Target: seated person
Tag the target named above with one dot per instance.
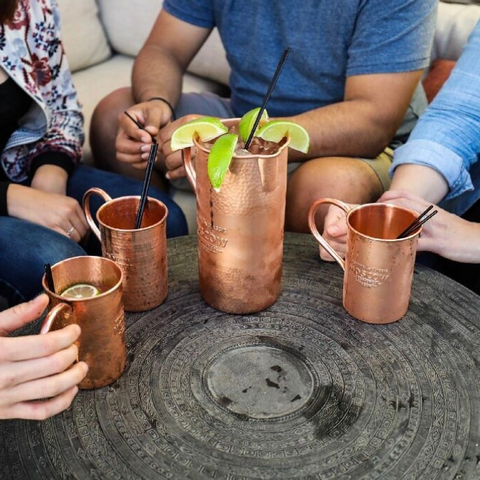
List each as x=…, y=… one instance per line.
x=439, y=163
x=349, y=81
x=36, y=367
x=41, y=183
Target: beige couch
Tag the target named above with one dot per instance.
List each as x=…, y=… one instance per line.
x=102, y=37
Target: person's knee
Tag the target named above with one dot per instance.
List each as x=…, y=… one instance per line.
x=104, y=125
x=110, y=107
x=346, y=179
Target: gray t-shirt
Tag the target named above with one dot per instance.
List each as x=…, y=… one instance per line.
x=330, y=40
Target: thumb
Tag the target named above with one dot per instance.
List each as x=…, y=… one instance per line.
x=21, y=314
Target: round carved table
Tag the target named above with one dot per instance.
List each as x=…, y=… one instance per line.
x=300, y=390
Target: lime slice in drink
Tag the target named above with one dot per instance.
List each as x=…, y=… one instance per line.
x=220, y=157
x=81, y=290
x=275, y=130
x=206, y=128
x=248, y=120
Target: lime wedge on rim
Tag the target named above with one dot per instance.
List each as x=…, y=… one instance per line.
x=206, y=128
x=81, y=290
x=248, y=120
x=275, y=130
x=219, y=158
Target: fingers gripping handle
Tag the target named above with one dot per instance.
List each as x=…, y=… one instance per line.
x=52, y=316
x=86, y=208
x=313, y=226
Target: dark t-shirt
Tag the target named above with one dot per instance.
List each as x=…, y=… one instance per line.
x=330, y=40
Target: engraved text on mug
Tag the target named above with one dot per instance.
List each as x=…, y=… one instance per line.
x=212, y=237
x=368, y=276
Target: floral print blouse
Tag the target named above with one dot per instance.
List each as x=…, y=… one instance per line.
x=32, y=55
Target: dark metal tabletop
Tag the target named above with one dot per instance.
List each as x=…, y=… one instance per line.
x=300, y=390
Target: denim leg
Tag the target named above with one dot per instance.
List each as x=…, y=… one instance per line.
x=25, y=247
x=117, y=186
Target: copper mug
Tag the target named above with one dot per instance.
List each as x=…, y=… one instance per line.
x=102, y=340
x=378, y=267
x=240, y=228
x=141, y=253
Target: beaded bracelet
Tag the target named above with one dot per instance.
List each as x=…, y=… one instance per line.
x=164, y=100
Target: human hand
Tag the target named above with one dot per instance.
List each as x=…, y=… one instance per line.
x=57, y=212
x=133, y=143
x=173, y=161
x=50, y=179
x=35, y=367
x=445, y=234
x=335, y=232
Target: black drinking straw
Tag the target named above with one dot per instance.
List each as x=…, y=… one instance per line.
x=49, y=277
x=418, y=222
x=268, y=94
x=146, y=184
x=148, y=173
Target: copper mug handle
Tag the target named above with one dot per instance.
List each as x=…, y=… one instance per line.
x=313, y=227
x=189, y=169
x=86, y=207
x=52, y=316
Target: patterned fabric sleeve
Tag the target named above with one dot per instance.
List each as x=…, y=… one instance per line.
x=32, y=54
x=65, y=129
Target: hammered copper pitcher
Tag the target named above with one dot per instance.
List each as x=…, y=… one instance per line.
x=240, y=229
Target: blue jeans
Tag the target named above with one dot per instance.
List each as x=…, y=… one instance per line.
x=25, y=247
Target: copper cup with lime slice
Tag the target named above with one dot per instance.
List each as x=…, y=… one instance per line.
x=88, y=292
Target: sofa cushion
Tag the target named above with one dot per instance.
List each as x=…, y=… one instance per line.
x=128, y=24
x=82, y=34
x=454, y=24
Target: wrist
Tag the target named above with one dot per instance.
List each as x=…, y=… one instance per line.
x=50, y=178
x=167, y=103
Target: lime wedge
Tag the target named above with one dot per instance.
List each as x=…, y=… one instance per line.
x=248, y=120
x=220, y=157
x=206, y=128
x=275, y=130
x=81, y=290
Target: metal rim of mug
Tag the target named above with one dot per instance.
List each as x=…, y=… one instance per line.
x=100, y=295
x=131, y=230
x=378, y=205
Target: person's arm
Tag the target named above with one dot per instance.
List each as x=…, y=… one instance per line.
x=445, y=234
x=365, y=122
x=445, y=143
x=36, y=367
x=52, y=210
x=389, y=48
x=157, y=72
x=62, y=143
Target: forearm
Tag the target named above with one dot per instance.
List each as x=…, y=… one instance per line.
x=348, y=129
x=423, y=181
x=156, y=73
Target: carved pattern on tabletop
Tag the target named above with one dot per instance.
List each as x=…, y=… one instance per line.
x=312, y=393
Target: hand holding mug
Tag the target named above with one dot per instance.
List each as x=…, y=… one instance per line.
x=35, y=367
